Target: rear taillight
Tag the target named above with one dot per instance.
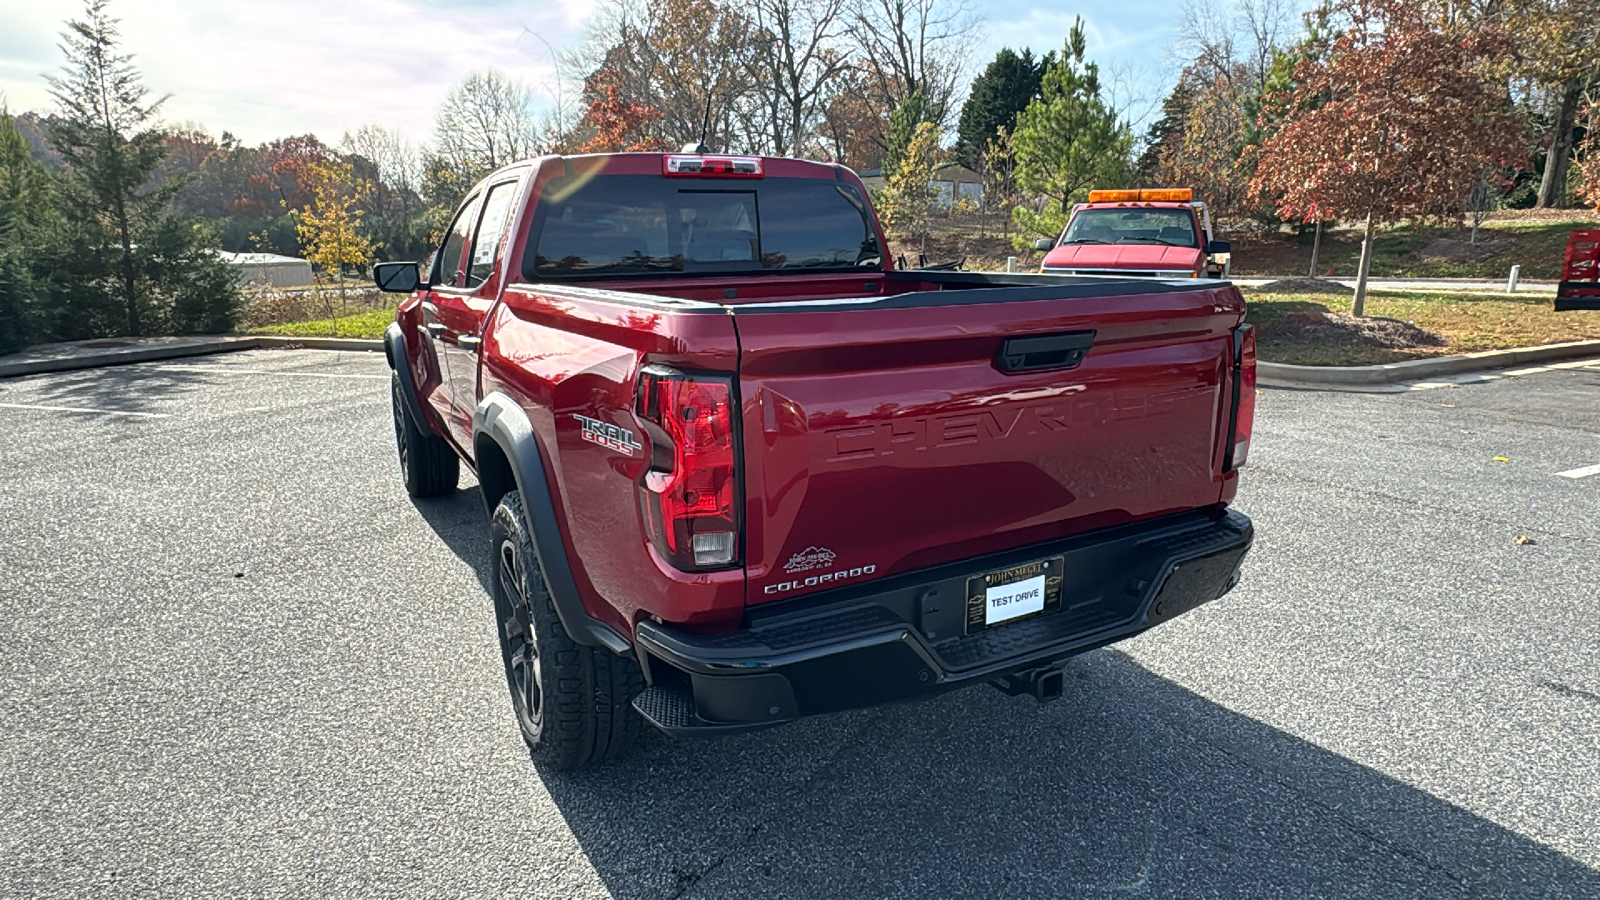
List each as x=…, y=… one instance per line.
x=724, y=166
x=1244, y=396
x=689, y=489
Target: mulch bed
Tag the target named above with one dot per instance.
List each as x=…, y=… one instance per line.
x=1345, y=330
x=1303, y=286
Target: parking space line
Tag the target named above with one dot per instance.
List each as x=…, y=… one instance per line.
x=235, y=370
x=1485, y=377
x=84, y=409
x=1584, y=472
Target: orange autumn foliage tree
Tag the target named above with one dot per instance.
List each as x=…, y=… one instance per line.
x=1395, y=121
x=1589, y=164
x=614, y=123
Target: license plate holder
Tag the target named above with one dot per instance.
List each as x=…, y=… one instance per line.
x=1014, y=594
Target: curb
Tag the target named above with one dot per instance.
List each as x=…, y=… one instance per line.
x=1498, y=283
x=119, y=357
x=273, y=342
x=1273, y=374
x=158, y=352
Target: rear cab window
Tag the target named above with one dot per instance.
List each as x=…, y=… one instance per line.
x=619, y=225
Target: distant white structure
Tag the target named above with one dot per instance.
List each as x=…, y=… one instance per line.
x=271, y=270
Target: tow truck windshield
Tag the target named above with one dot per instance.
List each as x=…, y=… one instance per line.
x=1174, y=227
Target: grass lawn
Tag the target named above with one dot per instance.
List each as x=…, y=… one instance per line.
x=1310, y=329
x=369, y=324
x=1414, y=252
x=1402, y=251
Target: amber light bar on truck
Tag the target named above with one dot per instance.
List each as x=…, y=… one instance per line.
x=689, y=489
x=723, y=166
x=1143, y=195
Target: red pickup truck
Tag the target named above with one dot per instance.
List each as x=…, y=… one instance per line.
x=740, y=470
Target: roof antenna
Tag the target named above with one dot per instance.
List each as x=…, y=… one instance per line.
x=695, y=147
x=705, y=126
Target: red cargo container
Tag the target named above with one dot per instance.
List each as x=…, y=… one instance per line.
x=1580, y=272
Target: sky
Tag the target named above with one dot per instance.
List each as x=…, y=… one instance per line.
x=264, y=70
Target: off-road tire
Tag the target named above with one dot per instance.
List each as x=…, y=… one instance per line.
x=584, y=710
x=428, y=464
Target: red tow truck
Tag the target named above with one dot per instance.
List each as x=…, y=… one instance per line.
x=1149, y=232
x=739, y=469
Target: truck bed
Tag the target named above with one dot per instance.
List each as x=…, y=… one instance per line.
x=883, y=427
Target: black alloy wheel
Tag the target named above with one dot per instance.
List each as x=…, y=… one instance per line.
x=519, y=645
x=573, y=702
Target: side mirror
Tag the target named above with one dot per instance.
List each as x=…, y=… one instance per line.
x=397, y=277
x=1044, y=244
x=1215, y=247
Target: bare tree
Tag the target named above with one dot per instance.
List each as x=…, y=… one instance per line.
x=564, y=112
x=691, y=59
x=796, y=60
x=1215, y=39
x=486, y=122
x=397, y=161
x=851, y=131
x=1267, y=24
x=1205, y=38
x=916, y=45
x=1127, y=87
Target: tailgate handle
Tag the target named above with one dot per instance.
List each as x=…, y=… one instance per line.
x=1050, y=351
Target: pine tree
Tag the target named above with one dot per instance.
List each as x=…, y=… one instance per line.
x=1008, y=84
x=126, y=245
x=25, y=215
x=1167, y=133
x=904, y=120
x=1067, y=141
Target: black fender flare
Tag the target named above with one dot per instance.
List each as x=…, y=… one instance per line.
x=394, y=349
x=498, y=418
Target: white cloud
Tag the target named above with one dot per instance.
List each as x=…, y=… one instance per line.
x=265, y=71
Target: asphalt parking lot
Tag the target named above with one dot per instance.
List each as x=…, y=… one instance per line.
x=238, y=660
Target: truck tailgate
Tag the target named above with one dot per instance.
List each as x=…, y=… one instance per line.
x=888, y=435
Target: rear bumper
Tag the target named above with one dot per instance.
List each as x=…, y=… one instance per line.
x=903, y=637
x=1573, y=295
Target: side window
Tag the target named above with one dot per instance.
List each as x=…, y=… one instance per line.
x=447, y=271
x=491, y=228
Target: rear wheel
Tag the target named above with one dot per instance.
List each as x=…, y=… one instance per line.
x=427, y=462
x=573, y=703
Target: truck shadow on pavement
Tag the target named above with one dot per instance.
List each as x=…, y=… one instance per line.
x=459, y=521
x=1130, y=785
